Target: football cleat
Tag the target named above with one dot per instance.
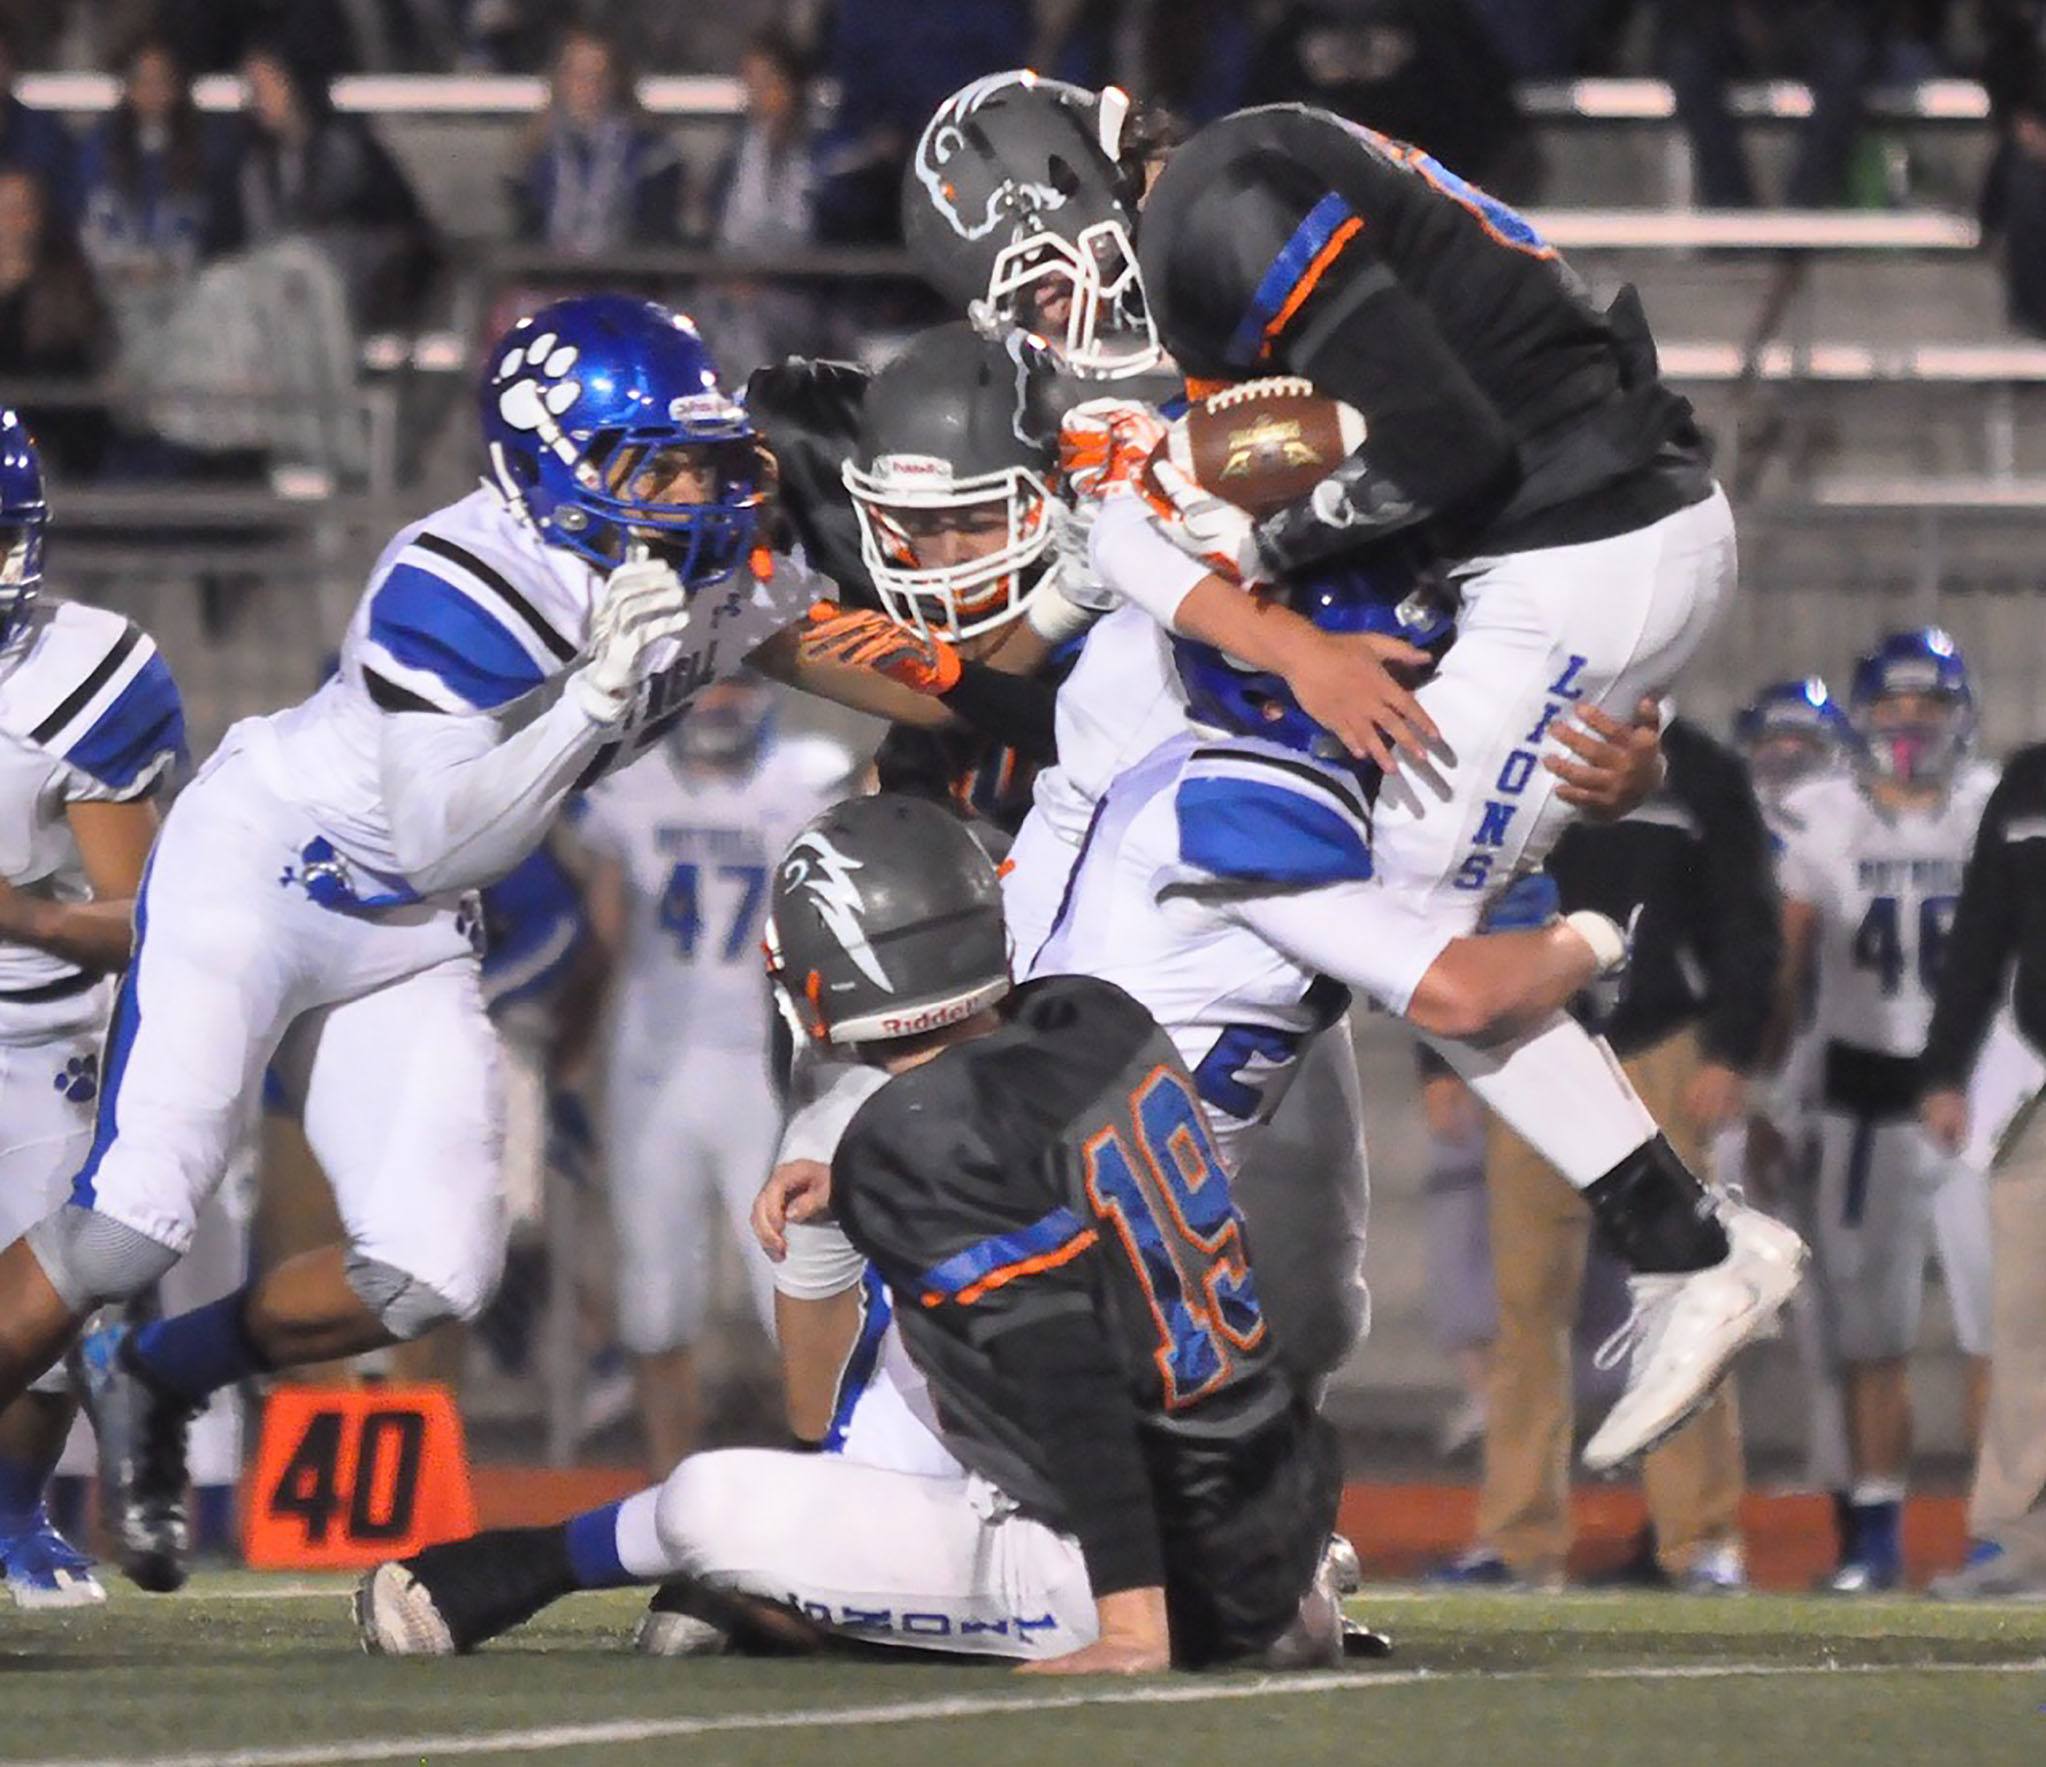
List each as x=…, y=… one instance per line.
x=1990, y=1574
x=1718, y=1570
x=1686, y=1329
x=677, y=1624
x=44, y=1570
x=1339, y=1559
x=141, y=1430
x=395, y=1616
x=448, y=1599
x=1860, y=1576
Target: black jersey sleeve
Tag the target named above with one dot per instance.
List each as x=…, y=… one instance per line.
x=1019, y=711
x=1980, y=945
x=809, y=411
x=1006, y=1272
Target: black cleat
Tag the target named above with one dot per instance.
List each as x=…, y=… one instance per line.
x=144, y=1485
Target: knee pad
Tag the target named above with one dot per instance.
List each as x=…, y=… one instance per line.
x=91, y=1259
x=406, y=1307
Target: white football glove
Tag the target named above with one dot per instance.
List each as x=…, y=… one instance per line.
x=643, y=605
x=1207, y=527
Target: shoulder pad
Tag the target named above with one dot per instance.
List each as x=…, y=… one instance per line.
x=93, y=690
x=451, y=624
x=1262, y=814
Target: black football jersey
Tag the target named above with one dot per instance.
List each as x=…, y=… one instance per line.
x=1060, y=1169
x=1061, y=1163
x=1286, y=240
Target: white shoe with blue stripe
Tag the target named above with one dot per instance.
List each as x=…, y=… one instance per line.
x=44, y=1570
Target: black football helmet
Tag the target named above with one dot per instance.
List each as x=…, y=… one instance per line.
x=886, y=923
x=951, y=480
x=1018, y=210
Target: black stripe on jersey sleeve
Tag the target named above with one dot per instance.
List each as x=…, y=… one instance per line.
x=81, y=695
x=500, y=585
x=390, y=697
x=1329, y=784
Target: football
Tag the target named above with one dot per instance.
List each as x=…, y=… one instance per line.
x=1263, y=444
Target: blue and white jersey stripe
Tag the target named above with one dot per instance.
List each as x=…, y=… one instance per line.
x=1254, y=812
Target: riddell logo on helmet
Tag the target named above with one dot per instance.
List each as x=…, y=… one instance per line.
x=929, y=1018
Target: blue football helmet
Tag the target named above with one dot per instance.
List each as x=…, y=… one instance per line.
x=594, y=411
x=1791, y=730
x=1383, y=595
x=1925, y=665
x=24, y=515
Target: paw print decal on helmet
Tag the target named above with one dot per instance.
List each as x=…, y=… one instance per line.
x=532, y=391
x=78, y=1080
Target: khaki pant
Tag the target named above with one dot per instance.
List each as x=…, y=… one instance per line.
x=1541, y=1231
x=2009, y=1500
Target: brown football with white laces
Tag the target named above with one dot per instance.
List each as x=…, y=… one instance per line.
x=1263, y=444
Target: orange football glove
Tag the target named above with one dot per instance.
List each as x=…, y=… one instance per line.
x=861, y=639
x=1104, y=444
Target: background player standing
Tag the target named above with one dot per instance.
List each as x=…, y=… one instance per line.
x=1871, y=873
x=90, y=728
x=685, y=841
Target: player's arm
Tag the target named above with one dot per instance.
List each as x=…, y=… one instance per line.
x=1340, y=679
x=113, y=846
x=1972, y=968
x=866, y=660
x=1742, y=947
x=1434, y=441
x=983, y=1261
x=1466, y=988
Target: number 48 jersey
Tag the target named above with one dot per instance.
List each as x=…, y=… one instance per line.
x=1884, y=887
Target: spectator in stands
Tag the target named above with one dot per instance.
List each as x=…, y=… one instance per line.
x=2014, y=192
x=53, y=324
x=596, y=174
x=894, y=62
x=1423, y=70
x=1191, y=56
x=766, y=190
x=33, y=141
x=1838, y=46
x=1690, y=873
x=303, y=168
x=154, y=198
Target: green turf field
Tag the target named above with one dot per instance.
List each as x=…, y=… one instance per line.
x=260, y=1673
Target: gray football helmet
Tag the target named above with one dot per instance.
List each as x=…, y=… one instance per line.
x=951, y=480
x=1017, y=209
x=886, y=922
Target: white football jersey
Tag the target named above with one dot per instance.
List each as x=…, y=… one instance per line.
x=1121, y=701
x=466, y=611
x=698, y=845
x=88, y=713
x=1885, y=888
x=1197, y=822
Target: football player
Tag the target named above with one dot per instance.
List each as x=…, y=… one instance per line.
x=308, y=899
x=1871, y=871
x=90, y=727
x=683, y=843
x=1788, y=733
x=1139, y=1486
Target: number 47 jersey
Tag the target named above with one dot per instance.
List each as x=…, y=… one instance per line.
x=1884, y=886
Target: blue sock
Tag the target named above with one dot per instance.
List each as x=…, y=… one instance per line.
x=21, y=1496
x=213, y=1518
x=199, y=1352
x=1879, y=1534
x=593, y=1549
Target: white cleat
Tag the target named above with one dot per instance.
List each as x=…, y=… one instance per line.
x=1339, y=1560
x=676, y=1624
x=395, y=1617
x=1685, y=1330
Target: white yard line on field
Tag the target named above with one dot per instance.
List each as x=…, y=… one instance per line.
x=550, y=1738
